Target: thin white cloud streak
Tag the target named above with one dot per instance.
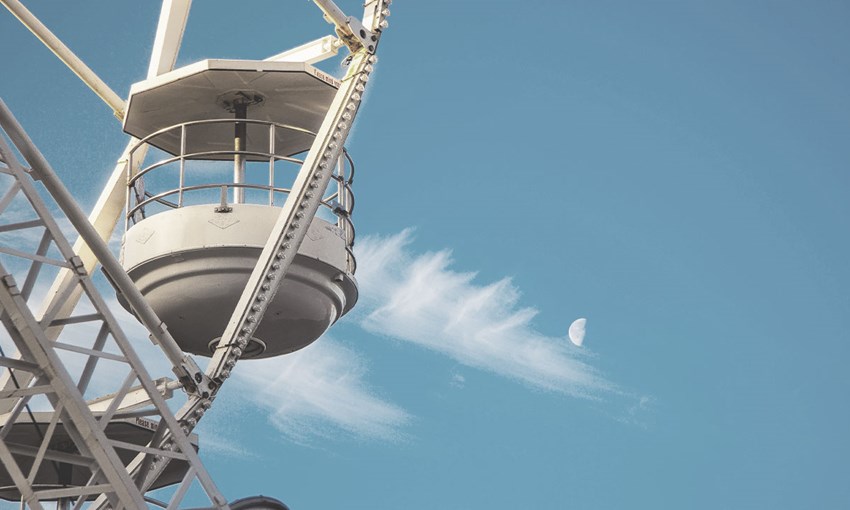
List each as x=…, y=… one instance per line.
x=418, y=298
x=319, y=391
x=316, y=392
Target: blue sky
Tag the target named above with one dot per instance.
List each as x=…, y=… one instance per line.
x=676, y=172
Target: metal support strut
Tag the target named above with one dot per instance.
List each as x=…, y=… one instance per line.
x=291, y=227
x=41, y=361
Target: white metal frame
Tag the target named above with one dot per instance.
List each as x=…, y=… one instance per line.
x=40, y=355
x=40, y=368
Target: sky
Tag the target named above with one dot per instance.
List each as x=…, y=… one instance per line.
x=675, y=172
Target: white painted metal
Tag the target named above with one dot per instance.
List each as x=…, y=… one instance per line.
x=29, y=335
x=192, y=263
x=311, y=52
x=169, y=35
x=277, y=256
x=292, y=92
x=62, y=391
x=107, y=210
x=290, y=229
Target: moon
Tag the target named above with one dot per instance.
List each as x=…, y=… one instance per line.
x=576, y=332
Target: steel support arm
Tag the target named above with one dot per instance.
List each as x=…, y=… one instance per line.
x=311, y=52
x=67, y=56
x=286, y=235
x=108, y=209
x=349, y=29
x=184, y=367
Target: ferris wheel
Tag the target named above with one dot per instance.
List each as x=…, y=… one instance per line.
x=234, y=199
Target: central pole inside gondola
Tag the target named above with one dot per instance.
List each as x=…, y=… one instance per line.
x=239, y=143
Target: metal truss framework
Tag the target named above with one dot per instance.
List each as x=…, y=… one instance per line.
x=41, y=336
x=133, y=394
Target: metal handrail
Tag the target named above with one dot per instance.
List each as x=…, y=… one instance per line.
x=199, y=155
x=340, y=202
x=219, y=121
x=159, y=197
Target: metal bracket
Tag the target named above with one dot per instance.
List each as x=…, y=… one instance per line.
x=10, y=284
x=348, y=28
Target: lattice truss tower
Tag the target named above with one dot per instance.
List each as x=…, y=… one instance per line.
x=248, y=203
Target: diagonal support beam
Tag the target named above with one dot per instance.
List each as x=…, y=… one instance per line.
x=106, y=212
x=67, y=56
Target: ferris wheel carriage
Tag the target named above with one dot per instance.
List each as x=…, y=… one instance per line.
x=229, y=135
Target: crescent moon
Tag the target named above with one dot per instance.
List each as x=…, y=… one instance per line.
x=576, y=331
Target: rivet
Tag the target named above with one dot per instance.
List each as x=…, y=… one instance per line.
x=237, y=351
x=266, y=286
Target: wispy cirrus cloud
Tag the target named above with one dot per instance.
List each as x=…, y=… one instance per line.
x=319, y=390
x=413, y=297
x=315, y=392
x=419, y=298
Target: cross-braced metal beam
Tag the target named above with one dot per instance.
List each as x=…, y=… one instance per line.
x=90, y=330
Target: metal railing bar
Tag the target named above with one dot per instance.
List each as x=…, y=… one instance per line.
x=182, y=164
x=199, y=155
x=219, y=121
x=158, y=197
x=163, y=201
